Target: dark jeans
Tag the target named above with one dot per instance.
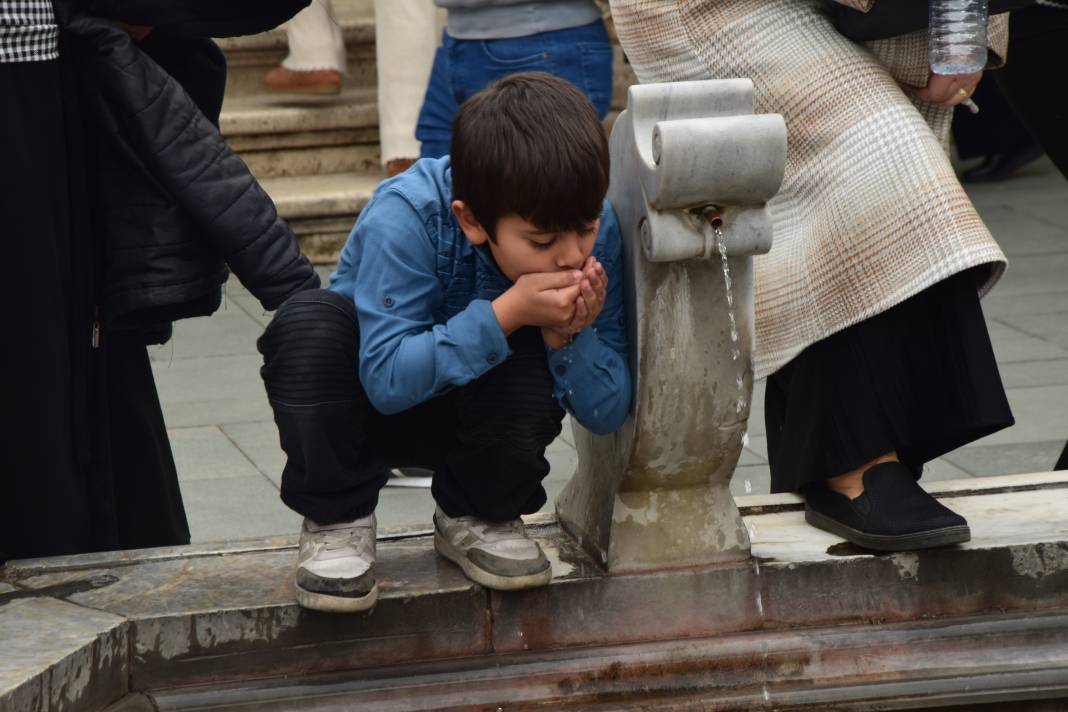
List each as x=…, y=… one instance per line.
x=581, y=55
x=485, y=440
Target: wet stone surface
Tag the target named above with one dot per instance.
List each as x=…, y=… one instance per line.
x=58, y=656
x=217, y=615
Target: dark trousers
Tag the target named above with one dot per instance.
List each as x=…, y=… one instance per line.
x=87, y=463
x=485, y=441
x=994, y=130
x=1037, y=51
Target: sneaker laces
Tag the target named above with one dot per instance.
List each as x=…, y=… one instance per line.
x=338, y=539
x=514, y=526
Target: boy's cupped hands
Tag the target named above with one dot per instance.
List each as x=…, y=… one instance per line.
x=593, y=286
x=561, y=303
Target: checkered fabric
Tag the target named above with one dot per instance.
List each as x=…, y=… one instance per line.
x=870, y=211
x=28, y=31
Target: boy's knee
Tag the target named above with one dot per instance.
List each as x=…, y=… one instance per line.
x=313, y=319
x=310, y=347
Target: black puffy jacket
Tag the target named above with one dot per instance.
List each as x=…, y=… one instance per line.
x=173, y=205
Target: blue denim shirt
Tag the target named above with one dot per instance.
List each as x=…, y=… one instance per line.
x=422, y=294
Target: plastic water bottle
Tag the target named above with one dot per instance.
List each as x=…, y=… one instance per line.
x=957, y=36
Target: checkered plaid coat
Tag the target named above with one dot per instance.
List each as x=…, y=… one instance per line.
x=870, y=211
x=28, y=31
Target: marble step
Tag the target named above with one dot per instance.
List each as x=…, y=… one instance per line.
x=321, y=209
x=284, y=136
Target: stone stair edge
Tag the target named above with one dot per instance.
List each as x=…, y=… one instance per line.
x=355, y=108
x=338, y=194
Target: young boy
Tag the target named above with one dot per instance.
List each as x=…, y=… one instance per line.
x=476, y=298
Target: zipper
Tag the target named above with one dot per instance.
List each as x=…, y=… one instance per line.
x=94, y=340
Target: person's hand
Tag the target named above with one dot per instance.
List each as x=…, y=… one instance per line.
x=545, y=299
x=948, y=89
x=588, y=305
x=136, y=32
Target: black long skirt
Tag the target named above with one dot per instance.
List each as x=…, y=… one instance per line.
x=85, y=464
x=919, y=379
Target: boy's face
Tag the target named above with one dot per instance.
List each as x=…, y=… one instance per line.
x=522, y=248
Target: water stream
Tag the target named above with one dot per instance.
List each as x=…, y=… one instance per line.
x=736, y=349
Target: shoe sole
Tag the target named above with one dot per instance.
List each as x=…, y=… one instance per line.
x=488, y=578
x=930, y=539
x=336, y=604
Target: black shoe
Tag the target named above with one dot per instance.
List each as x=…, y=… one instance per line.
x=893, y=514
x=999, y=166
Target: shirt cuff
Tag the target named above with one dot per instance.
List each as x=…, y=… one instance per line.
x=573, y=362
x=478, y=336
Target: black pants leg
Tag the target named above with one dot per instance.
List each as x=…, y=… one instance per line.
x=495, y=463
x=310, y=350
x=486, y=440
x=994, y=130
x=1037, y=47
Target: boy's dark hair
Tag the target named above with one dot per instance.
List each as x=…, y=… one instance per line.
x=530, y=144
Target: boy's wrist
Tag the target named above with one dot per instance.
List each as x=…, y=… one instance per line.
x=505, y=311
x=554, y=339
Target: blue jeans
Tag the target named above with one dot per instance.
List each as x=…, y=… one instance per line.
x=581, y=55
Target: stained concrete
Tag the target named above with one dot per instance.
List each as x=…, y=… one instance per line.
x=793, y=622
x=58, y=656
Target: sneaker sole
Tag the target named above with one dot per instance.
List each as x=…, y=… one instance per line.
x=930, y=539
x=336, y=604
x=488, y=578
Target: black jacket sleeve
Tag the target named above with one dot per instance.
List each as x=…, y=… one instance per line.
x=187, y=157
x=200, y=18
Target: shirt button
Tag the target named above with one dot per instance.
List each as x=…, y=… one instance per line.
x=560, y=370
x=388, y=302
x=492, y=358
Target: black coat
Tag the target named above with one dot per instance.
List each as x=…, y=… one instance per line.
x=128, y=208
x=172, y=204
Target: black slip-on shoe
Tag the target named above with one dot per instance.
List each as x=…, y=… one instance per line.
x=892, y=514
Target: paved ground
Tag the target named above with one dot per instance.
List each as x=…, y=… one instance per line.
x=229, y=461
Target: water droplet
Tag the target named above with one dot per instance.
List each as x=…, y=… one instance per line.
x=748, y=487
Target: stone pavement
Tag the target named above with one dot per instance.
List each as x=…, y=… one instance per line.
x=229, y=461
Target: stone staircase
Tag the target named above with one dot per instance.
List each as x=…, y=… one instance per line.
x=317, y=157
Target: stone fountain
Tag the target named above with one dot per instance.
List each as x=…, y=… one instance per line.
x=692, y=170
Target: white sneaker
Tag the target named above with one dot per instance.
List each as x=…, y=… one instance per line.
x=498, y=555
x=336, y=566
